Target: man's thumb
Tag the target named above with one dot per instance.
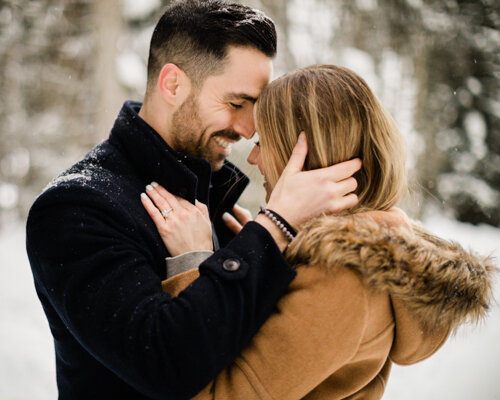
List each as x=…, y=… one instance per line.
x=298, y=157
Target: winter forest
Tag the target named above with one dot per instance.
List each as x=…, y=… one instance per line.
x=67, y=66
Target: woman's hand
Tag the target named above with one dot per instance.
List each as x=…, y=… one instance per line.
x=182, y=226
x=241, y=217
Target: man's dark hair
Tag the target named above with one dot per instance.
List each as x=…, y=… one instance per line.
x=195, y=35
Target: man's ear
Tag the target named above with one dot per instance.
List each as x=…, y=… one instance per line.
x=173, y=84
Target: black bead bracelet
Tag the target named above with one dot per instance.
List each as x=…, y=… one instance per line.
x=280, y=222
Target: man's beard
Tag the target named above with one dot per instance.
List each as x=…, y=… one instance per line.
x=189, y=137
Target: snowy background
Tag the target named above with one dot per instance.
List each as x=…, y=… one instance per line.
x=467, y=367
x=66, y=67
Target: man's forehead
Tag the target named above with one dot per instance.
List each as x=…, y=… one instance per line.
x=244, y=75
x=247, y=65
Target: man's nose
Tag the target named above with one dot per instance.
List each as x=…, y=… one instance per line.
x=254, y=155
x=245, y=125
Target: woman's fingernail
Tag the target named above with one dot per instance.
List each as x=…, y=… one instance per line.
x=154, y=184
x=302, y=137
x=144, y=195
x=149, y=188
x=226, y=217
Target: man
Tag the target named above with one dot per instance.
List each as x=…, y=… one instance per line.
x=96, y=256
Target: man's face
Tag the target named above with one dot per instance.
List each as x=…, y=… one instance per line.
x=210, y=121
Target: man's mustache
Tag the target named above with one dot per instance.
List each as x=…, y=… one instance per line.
x=228, y=134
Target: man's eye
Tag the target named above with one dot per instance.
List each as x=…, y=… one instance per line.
x=236, y=105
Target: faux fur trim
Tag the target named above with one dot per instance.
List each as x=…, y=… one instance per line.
x=442, y=284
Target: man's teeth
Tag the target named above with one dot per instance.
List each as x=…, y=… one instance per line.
x=222, y=142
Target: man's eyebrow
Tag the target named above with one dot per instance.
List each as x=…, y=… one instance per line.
x=240, y=96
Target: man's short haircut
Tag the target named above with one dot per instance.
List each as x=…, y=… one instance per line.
x=195, y=35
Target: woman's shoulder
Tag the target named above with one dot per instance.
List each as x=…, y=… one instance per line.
x=342, y=290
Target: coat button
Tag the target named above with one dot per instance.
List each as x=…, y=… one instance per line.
x=231, y=264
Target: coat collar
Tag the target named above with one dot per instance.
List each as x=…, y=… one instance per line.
x=183, y=175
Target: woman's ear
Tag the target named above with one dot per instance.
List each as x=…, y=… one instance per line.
x=173, y=84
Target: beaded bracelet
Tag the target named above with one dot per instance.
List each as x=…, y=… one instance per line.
x=281, y=223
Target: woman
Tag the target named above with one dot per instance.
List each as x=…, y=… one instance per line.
x=372, y=288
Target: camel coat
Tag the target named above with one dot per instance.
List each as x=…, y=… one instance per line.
x=366, y=294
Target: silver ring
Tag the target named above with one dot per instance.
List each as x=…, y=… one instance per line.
x=165, y=213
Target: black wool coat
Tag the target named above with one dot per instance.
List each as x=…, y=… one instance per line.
x=98, y=262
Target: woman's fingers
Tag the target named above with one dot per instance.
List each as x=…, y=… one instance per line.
x=232, y=223
x=203, y=209
x=165, y=200
x=241, y=217
x=165, y=194
x=153, y=211
x=183, y=226
x=242, y=214
x=160, y=201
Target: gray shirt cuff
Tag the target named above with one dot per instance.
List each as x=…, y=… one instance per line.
x=185, y=262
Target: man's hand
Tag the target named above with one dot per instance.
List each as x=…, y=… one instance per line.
x=301, y=195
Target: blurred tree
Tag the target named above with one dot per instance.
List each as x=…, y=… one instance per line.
x=455, y=47
x=47, y=106
x=451, y=53
x=463, y=87
x=68, y=66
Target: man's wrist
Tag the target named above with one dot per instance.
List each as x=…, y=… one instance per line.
x=186, y=261
x=281, y=222
x=276, y=233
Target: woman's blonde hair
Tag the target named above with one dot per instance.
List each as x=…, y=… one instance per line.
x=342, y=120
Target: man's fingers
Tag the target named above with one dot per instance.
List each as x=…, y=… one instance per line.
x=343, y=203
x=346, y=186
x=242, y=214
x=232, y=223
x=298, y=157
x=341, y=171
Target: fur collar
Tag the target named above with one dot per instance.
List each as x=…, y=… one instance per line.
x=441, y=284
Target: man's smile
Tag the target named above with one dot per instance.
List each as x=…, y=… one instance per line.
x=225, y=145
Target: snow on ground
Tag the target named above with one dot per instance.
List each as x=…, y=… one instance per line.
x=27, y=369
x=467, y=367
